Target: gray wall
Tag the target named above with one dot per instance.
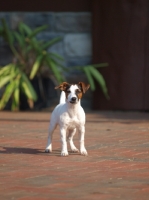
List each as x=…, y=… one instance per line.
x=75, y=29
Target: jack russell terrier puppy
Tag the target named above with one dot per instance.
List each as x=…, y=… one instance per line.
x=70, y=116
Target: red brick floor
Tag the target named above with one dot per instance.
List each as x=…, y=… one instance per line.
x=117, y=166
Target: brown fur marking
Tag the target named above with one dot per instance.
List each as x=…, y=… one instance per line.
x=79, y=94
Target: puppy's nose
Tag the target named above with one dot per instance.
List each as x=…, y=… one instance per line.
x=73, y=99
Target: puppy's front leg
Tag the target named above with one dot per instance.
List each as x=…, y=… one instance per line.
x=49, y=143
x=64, y=151
x=81, y=131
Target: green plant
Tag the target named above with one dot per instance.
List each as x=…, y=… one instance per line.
x=30, y=59
x=93, y=74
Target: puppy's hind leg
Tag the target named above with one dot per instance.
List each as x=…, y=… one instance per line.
x=49, y=143
x=70, y=136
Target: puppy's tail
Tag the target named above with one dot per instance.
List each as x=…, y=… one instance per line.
x=62, y=97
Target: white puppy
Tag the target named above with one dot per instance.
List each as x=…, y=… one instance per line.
x=70, y=116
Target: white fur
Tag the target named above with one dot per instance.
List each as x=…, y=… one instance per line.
x=62, y=98
x=70, y=117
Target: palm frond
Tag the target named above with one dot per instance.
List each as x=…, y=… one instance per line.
x=52, y=65
x=7, y=94
x=99, y=78
x=89, y=77
x=37, y=30
x=36, y=66
x=51, y=42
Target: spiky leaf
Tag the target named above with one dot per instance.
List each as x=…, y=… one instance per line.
x=16, y=96
x=37, y=30
x=19, y=39
x=23, y=28
x=8, y=36
x=100, y=65
x=35, y=45
x=36, y=66
x=57, y=56
x=99, y=78
x=7, y=94
x=51, y=64
x=89, y=77
x=6, y=69
x=51, y=42
x=28, y=88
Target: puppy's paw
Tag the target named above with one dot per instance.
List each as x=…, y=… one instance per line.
x=64, y=153
x=48, y=150
x=83, y=152
x=74, y=150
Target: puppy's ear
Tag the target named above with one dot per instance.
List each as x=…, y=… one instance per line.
x=62, y=86
x=84, y=87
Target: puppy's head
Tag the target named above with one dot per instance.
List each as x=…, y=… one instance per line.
x=73, y=92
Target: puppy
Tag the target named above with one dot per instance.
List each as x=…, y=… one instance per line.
x=70, y=116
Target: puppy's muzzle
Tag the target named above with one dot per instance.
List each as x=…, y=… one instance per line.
x=73, y=100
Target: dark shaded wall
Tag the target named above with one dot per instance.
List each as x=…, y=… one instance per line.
x=47, y=5
x=121, y=38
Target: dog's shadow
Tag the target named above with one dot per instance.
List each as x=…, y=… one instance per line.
x=21, y=150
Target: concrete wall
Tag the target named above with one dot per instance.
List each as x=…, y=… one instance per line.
x=74, y=28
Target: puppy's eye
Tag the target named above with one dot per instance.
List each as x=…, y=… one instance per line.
x=78, y=91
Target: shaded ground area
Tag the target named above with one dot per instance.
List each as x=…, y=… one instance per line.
x=117, y=166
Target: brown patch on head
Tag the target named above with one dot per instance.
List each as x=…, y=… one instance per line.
x=84, y=87
x=79, y=93
x=63, y=86
x=67, y=91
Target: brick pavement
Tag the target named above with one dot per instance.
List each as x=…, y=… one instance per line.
x=117, y=166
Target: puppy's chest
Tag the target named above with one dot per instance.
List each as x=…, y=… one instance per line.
x=71, y=121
